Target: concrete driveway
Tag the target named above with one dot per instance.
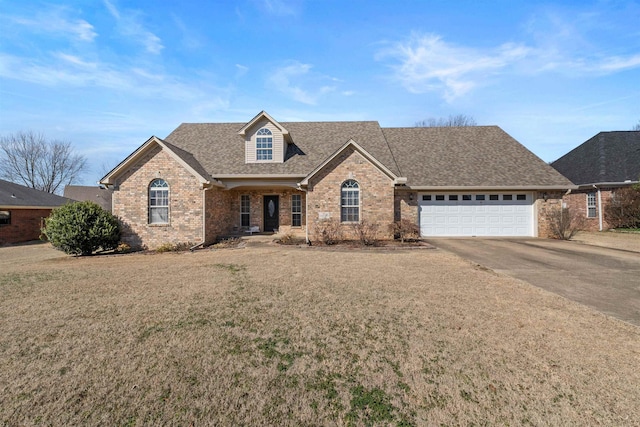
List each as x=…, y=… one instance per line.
x=605, y=279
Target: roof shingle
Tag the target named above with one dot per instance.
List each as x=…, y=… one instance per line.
x=606, y=157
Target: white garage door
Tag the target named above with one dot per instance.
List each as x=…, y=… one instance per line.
x=476, y=214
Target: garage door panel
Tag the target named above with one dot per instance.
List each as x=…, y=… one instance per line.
x=476, y=217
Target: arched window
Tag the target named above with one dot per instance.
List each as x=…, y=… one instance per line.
x=158, y=202
x=264, y=144
x=350, y=201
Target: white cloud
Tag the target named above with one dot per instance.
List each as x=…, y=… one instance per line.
x=56, y=20
x=129, y=25
x=289, y=80
x=425, y=63
x=428, y=63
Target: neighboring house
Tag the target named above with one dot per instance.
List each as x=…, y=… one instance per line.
x=82, y=193
x=22, y=211
x=206, y=180
x=600, y=166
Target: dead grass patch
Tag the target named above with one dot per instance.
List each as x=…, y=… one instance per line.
x=283, y=336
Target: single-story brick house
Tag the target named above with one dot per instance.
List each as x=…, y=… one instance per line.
x=89, y=193
x=205, y=180
x=23, y=210
x=599, y=166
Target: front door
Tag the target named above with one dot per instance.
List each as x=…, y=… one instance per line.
x=271, y=213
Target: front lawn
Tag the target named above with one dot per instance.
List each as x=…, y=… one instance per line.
x=301, y=336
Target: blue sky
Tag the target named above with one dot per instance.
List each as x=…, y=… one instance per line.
x=106, y=75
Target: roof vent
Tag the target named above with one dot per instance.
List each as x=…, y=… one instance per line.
x=13, y=196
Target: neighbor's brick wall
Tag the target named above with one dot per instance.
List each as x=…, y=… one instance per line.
x=25, y=225
x=130, y=202
x=576, y=201
x=376, y=192
x=544, y=210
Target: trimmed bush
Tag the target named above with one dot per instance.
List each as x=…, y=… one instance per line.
x=82, y=228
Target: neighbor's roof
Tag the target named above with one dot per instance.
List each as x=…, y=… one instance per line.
x=99, y=195
x=221, y=150
x=470, y=156
x=16, y=195
x=612, y=157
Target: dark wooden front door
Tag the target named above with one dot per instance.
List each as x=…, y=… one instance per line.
x=271, y=213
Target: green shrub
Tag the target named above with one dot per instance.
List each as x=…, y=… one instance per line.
x=82, y=228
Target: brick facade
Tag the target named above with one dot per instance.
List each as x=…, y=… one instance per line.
x=576, y=201
x=381, y=202
x=25, y=225
x=131, y=198
x=376, y=192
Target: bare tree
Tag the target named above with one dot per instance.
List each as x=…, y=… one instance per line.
x=451, y=121
x=637, y=126
x=29, y=158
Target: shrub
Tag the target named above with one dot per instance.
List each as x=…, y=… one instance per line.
x=623, y=210
x=404, y=230
x=82, y=228
x=328, y=231
x=366, y=232
x=174, y=247
x=565, y=224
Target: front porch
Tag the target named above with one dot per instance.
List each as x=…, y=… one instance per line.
x=260, y=211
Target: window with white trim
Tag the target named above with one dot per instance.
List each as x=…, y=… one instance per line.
x=350, y=201
x=591, y=205
x=158, y=202
x=296, y=210
x=264, y=144
x=245, y=210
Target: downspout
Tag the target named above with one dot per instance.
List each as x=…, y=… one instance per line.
x=306, y=213
x=599, y=206
x=204, y=219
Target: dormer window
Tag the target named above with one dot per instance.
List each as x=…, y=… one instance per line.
x=264, y=144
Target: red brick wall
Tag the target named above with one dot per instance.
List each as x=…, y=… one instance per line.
x=576, y=201
x=25, y=225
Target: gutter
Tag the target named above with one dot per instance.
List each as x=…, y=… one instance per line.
x=599, y=206
x=306, y=213
x=491, y=187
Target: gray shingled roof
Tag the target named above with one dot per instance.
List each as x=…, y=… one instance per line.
x=467, y=156
x=12, y=194
x=606, y=157
x=99, y=195
x=220, y=150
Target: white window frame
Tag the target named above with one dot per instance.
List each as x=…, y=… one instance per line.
x=264, y=145
x=350, y=201
x=159, y=202
x=296, y=210
x=245, y=210
x=592, y=206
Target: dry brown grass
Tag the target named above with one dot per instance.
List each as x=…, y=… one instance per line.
x=296, y=336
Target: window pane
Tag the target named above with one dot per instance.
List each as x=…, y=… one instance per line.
x=466, y=197
x=453, y=197
x=493, y=197
x=507, y=197
x=521, y=197
x=440, y=197
x=479, y=196
x=426, y=198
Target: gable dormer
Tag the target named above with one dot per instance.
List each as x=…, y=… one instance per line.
x=265, y=140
